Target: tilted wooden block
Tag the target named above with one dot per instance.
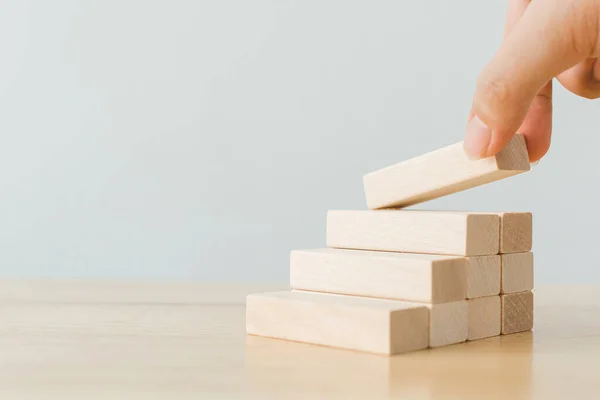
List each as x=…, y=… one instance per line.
x=516, y=230
x=432, y=232
x=441, y=172
x=484, y=317
x=404, y=276
x=517, y=312
x=357, y=323
x=483, y=276
x=517, y=272
x=448, y=323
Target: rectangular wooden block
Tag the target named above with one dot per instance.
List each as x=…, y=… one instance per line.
x=517, y=312
x=403, y=276
x=432, y=232
x=448, y=323
x=484, y=317
x=483, y=276
x=357, y=323
x=516, y=231
x=517, y=272
x=441, y=172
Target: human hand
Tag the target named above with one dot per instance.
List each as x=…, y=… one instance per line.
x=543, y=39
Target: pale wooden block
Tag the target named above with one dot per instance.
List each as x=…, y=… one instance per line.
x=441, y=172
x=517, y=272
x=484, y=317
x=483, y=276
x=448, y=323
x=517, y=312
x=516, y=231
x=404, y=276
x=433, y=232
x=357, y=323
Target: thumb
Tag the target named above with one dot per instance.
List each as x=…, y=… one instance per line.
x=550, y=37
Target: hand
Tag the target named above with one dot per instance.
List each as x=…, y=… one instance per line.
x=543, y=39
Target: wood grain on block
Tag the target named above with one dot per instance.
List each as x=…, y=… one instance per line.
x=483, y=276
x=484, y=317
x=516, y=230
x=517, y=312
x=517, y=272
x=404, y=276
x=448, y=323
x=432, y=232
x=441, y=172
x=357, y=323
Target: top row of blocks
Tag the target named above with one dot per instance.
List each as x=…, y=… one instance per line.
x=431, y=232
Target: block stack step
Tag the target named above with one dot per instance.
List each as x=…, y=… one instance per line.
x=392, y=280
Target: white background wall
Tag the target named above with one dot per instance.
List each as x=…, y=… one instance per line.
x=206, y=139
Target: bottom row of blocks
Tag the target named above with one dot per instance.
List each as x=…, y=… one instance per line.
x=384, y=326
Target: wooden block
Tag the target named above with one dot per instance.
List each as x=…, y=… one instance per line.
x=432, y=232
x=441, y=172
x=357, y=323
x=483, y=276
x=448, y=323
x=516, y=232
x=517, y=272
x=517, y=312
x=404, y=276
x=484, y=317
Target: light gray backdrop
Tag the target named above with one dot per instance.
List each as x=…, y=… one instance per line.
x=206, y=139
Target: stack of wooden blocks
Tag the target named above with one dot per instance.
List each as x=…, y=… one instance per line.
x=395, y=280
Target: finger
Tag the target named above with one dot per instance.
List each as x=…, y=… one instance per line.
x=514, y=11
x=582, y=79
x=537, y=125
x=547, y=40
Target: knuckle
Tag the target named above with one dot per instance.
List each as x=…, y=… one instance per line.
x=581, y=82
x=584, y=89
x=590, y=94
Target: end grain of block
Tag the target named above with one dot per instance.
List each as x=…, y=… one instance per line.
x=356, y=323
x=483, y=276
x=403, y=276
x=517, y=272
x=517, y=312
x=441, y=172
x=431, y=232
x=484, y=317
x=516, y=231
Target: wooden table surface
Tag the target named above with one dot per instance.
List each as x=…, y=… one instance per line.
x=134, y=340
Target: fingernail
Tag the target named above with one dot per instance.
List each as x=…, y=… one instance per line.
x=477, y=139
